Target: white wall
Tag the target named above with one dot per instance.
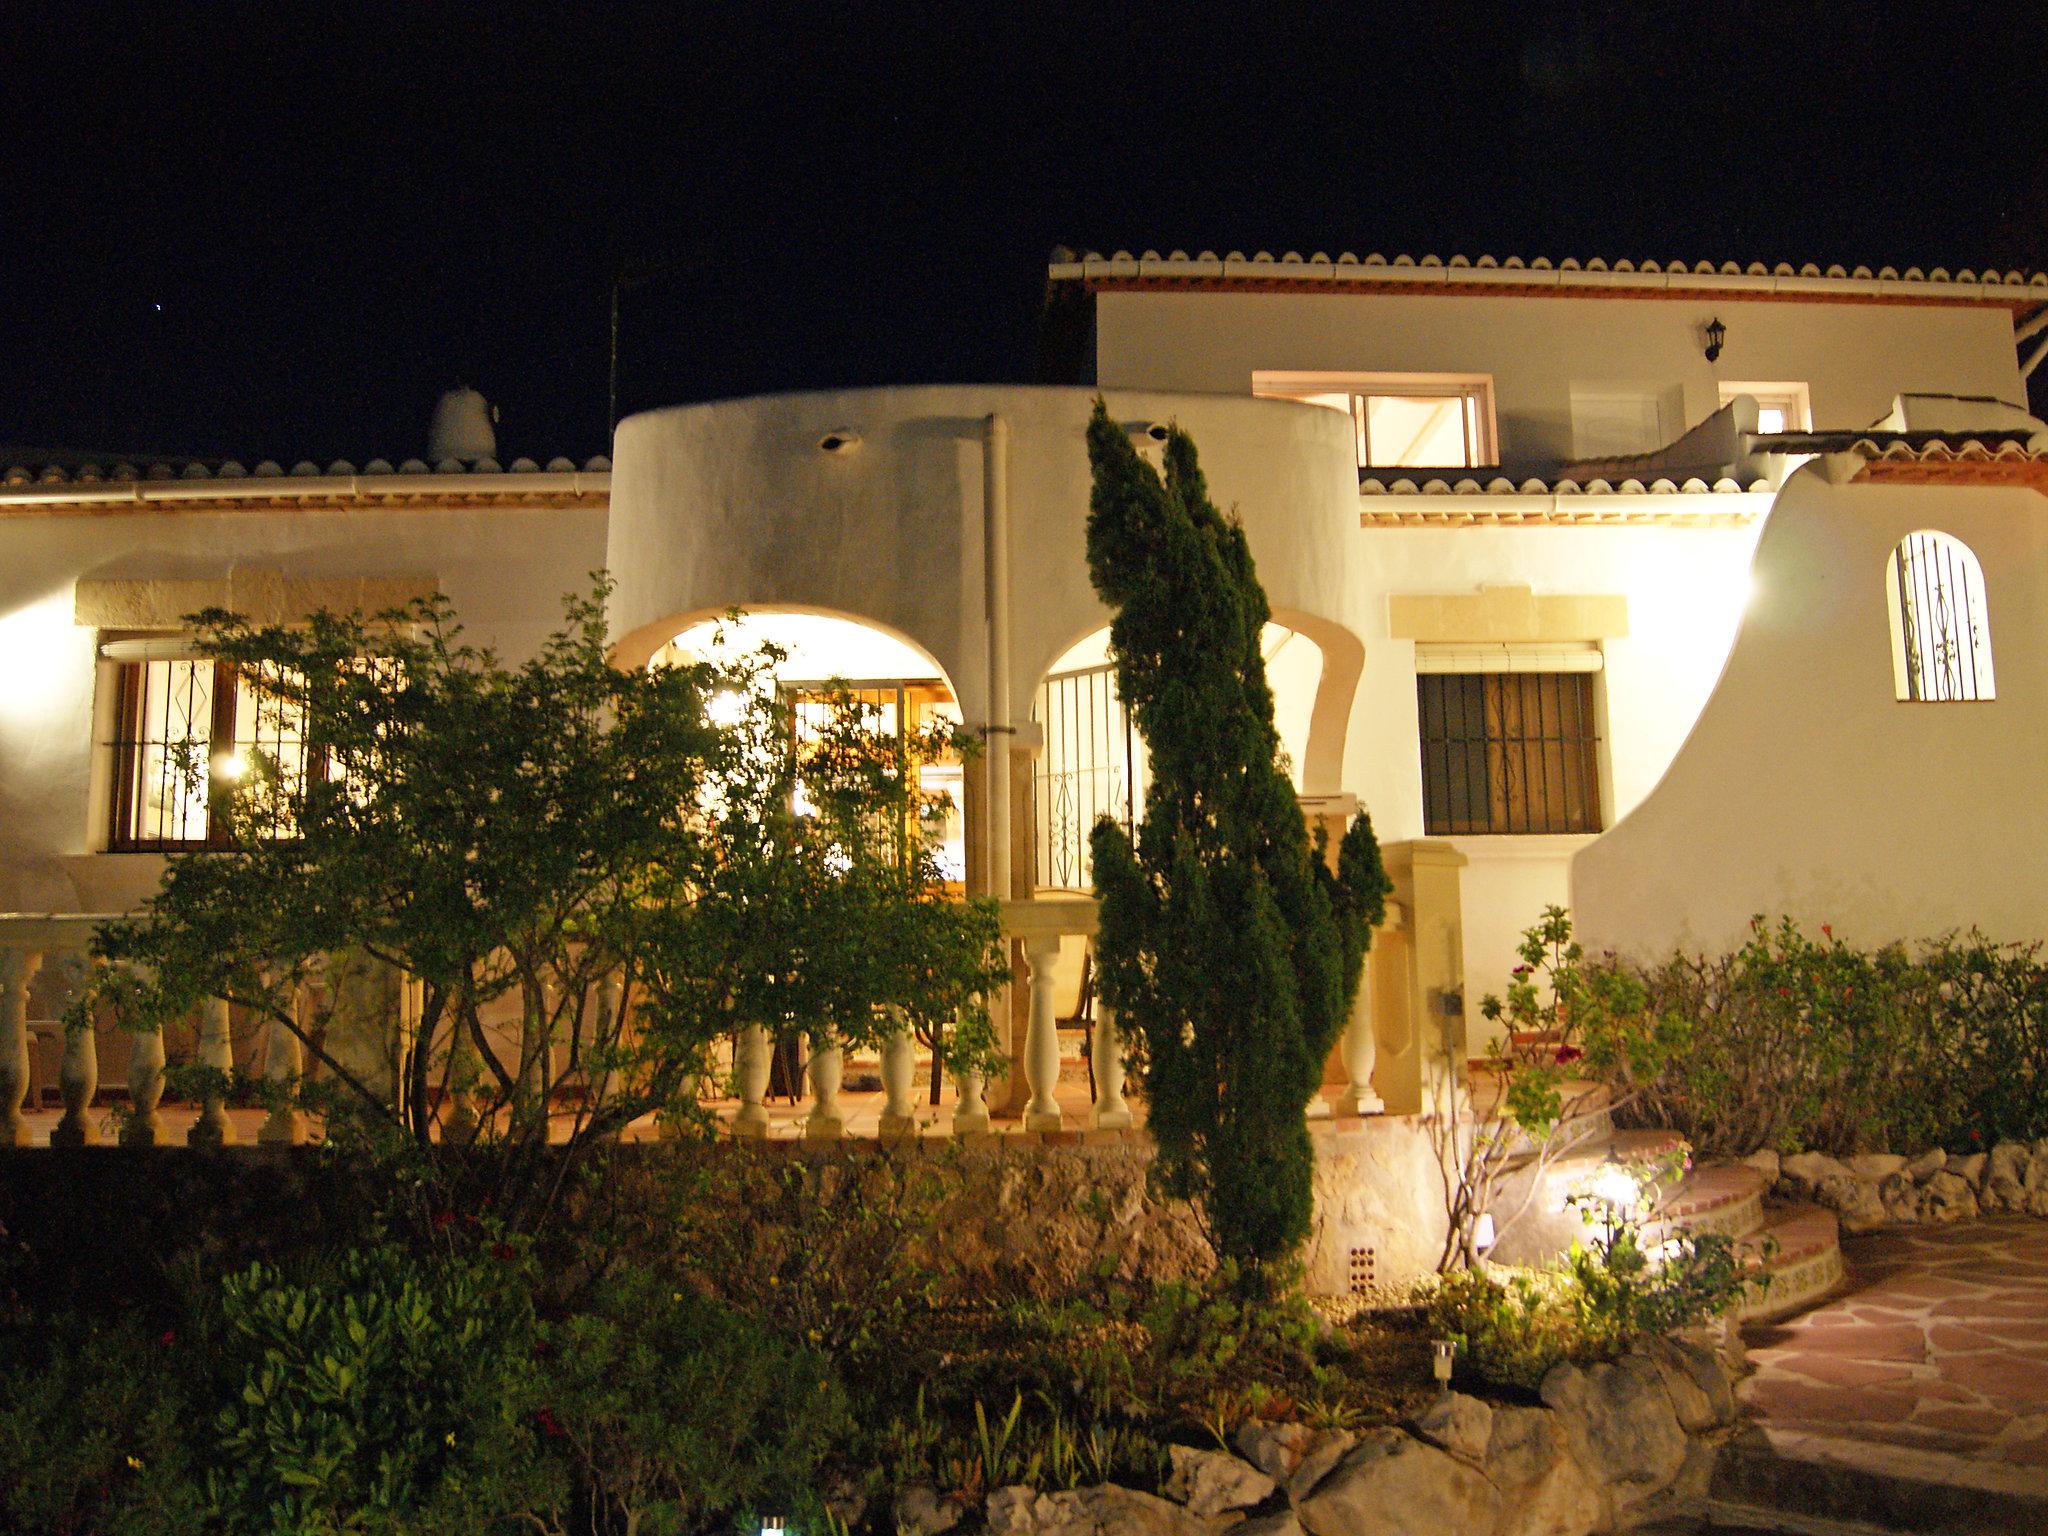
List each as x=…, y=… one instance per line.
x=1855, y=356
x=506, y=571
x=1807, y=788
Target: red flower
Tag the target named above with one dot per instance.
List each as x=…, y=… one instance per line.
x=504, y=1251
x=545, y=1419
x=1827, y=930
x=443, y=1220
x=170, y=1337
x=1975, y=1137
x=1567, y=1053
x=1784, y=991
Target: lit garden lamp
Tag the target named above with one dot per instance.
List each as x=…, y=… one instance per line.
x=1618, y=1193
x=774, y=1525
x=1441, y=1353
x=1482, y=1233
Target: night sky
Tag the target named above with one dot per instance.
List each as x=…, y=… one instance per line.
x=280, y=232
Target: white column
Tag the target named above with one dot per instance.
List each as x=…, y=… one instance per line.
x=828, y=1063
x=18, y=968
x=899, y=1071
x=751, y=1051
x=78, y=1079
x=1360, y=1048
x=283, y=1064
x=1042, y=1039
x=143, y=1127
x=216, y=1050
x=1106, y=1053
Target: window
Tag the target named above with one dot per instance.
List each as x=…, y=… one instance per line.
x=898, y=710
x=1780, y=407
x=1941, y=629
x=182, y=726
x=1508, y=752
x=1418, y=420
x=1613, y=422
x=1093, y=766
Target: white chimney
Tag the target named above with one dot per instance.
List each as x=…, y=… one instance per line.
x=461, y=428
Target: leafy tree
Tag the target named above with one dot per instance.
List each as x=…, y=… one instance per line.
x=1228, y=947
x=591, y=873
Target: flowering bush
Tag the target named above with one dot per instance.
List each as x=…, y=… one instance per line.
x=1796, y=1042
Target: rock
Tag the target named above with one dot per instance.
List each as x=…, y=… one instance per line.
x=1948, y=1197
x=1104, y=1510
x=1876, y=1166
x=1806, y=1169
x=1901, y=1198
x=1543, y=1490
x=1459, y=1424
x=1210, y=1482
x=2037, y=1202
x=1856, y=1201
x=1285, y=1523
x=1619, y=1425
x=1275, y=1449
x=1765, y=1163
x=1392, y=1485
x=1969, y=1169
x=2005, y=1177
x=921, y=1512
x=1325, y=1450
x=1701, y=1393
x=1926, y=1165
x=2037, y=1171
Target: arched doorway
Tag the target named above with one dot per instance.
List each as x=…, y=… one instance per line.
x=896, y=684
x=1093, y=761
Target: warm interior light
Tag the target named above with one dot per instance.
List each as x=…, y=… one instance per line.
x=230, y=766
x=727, y=707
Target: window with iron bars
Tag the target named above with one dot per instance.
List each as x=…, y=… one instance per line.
x=1514, y=752
x=1941, y=630
x=183, y=728
x=1093, y=766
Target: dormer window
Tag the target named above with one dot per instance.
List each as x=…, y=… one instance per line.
x=1402, y=420
x=1780, y=407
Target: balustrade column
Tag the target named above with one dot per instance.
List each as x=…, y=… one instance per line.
x=899, y=1070
x=1042, y=1038
x=18, y=968
x=283, y=1065
x=78, y=1079
x=144, y=1127
x=970, y=1111
x=216, y=1050
x=826, y=1120
x=1106, y=1055
x=752, y=1059
x=1361, y=1049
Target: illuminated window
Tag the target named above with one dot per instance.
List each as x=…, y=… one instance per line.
x=1402, y=420
x=183, y=727
x=899, y=711
x=1941, y=630
x=1780, y=407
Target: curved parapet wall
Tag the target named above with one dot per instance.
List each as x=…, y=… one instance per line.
x=1807, y=788
x=868, y=503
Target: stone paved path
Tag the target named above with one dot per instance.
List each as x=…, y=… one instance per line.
x=1938, y=1343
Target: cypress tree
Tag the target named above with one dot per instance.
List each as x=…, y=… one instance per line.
x=1228, y=947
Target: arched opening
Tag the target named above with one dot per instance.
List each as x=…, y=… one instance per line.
x=1940, y=625
x=1094, y=764
x=898, y=686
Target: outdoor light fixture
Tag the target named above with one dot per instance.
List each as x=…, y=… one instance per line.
x=1441, y=1352
x=839, y=440
x=230, y=765
x=774, y=1525
x=1482, y=1231
x=1716, y=333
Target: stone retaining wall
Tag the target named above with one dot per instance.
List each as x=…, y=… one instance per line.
x=1881, y=1189
x=1612, y=1446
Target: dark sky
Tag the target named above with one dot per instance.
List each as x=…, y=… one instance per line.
x=280, y=231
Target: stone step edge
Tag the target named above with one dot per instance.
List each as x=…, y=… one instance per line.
x=1880, y=1488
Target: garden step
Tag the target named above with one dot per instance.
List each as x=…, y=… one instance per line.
x=1549, y=1226
x=1726, y=1199
x=1791, y=1481
x=1804, y=1266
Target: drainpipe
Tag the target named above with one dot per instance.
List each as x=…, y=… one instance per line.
x=995, y=538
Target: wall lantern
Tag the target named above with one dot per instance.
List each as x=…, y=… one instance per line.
x=1716, y=333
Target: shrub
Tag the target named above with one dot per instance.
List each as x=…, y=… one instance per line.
x=93, y=1431
x=674, y=1408
x=1791, y=1042
x=1513, y=1326
x=388, y=1393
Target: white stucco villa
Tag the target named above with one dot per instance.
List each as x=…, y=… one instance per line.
x=1669, y=592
